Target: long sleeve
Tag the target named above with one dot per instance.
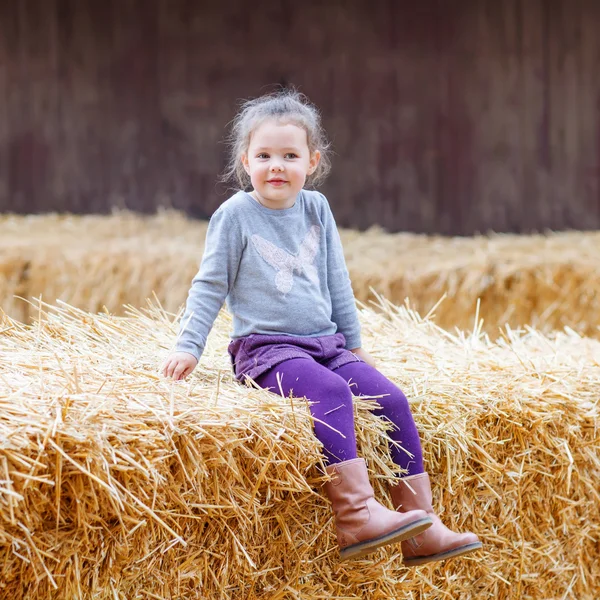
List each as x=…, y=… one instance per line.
x=213, y=282
x=344, y=313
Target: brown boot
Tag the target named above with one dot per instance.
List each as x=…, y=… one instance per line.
x=438, y=542
x=362, y=524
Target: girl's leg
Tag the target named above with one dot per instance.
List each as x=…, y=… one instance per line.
x=331, y=403
x=438, y=542
x=365, y=380
x=362, y=524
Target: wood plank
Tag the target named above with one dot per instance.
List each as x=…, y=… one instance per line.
x=587, y=108
x=19, y=111
x=7, y=43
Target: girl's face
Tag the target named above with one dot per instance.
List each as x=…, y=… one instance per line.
x=278, y=162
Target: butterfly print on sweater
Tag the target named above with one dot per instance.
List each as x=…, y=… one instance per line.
x=286, y=264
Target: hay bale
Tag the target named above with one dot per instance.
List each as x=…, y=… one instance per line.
x=97, y=262
x=116, y=483
x=548, y=281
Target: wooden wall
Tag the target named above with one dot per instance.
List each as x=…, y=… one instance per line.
x=449, y=117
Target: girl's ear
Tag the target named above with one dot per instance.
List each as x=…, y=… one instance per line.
x=314, y=162
x=245, y=163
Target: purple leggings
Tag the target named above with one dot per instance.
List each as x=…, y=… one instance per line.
x=330, y=393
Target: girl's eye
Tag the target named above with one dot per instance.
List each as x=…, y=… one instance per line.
x=291, y=155
x=263, y=155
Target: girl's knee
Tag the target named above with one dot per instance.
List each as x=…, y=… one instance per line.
x=394, y=399
x=335, y=387
x=331, y=399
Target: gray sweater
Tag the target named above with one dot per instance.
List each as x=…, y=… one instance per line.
x=282, y=272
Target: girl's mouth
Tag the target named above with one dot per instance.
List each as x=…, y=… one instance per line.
x=276, y=182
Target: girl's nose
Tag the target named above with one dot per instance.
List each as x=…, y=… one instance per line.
x=276, y=166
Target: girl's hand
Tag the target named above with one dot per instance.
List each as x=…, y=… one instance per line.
x=364, y=355
x=179, y=365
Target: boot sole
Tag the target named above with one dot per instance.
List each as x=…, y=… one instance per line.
x=398, y=535
x=461, y=551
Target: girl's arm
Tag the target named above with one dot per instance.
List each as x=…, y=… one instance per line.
x=343, y=303
x=211, y=285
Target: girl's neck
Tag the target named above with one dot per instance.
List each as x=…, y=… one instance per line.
x=288, y=204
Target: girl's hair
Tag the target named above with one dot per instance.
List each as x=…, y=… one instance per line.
x=285, y=106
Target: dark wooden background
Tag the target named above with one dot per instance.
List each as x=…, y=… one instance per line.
x=446, y=116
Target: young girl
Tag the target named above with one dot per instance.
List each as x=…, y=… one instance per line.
x=274, y=253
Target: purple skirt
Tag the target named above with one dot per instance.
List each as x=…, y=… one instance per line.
x=256, y=354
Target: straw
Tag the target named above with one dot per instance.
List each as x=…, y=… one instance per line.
x=117, y=483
